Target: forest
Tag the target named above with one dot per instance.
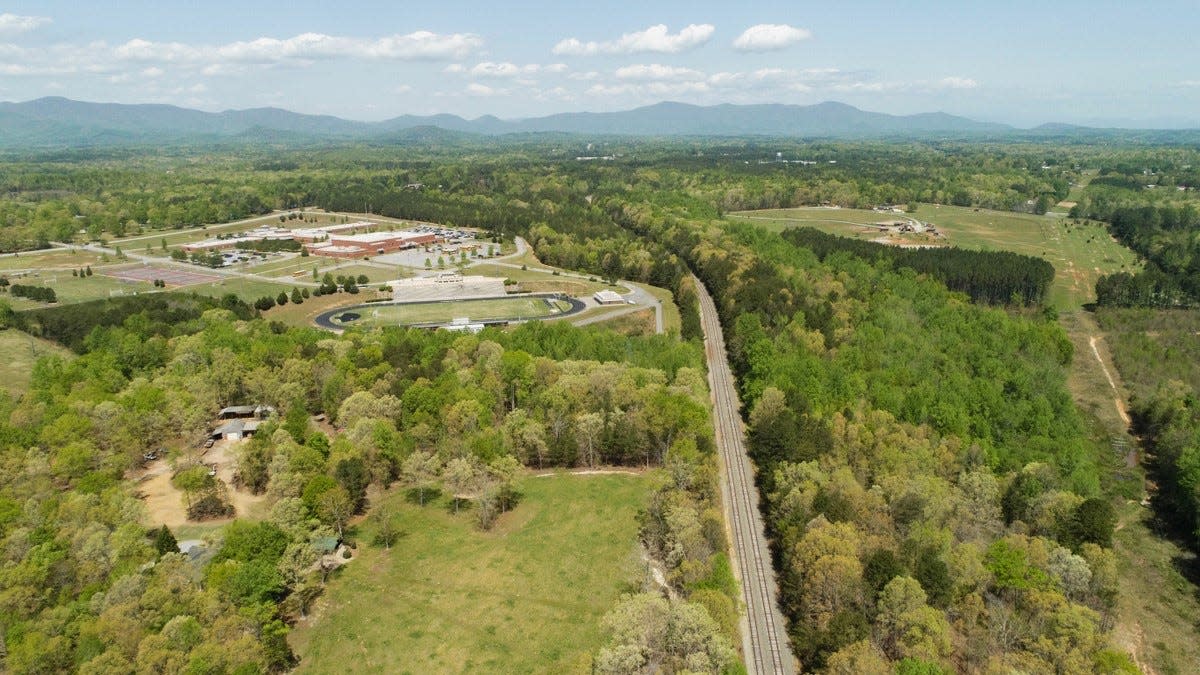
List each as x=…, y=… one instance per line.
x=935, y=501
x=993, y=277
x=86, y=586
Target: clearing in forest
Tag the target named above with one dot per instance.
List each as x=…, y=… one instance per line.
x=525, y=597
x=1080, y=253
x=21, y=350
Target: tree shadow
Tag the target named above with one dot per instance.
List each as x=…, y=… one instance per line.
x=414, y=496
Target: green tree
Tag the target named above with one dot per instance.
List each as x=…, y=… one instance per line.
x=164, y=541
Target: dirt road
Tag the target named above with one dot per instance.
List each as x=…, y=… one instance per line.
x=764, y=631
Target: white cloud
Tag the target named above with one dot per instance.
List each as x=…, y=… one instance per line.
x=957, y=83
x=657, y=72
x=476, y=89
x=653, y=39
x=490, y=69
x=585, y=76
x=152, y=71
x=15, y=24
x=420, y=45
x=770, y=36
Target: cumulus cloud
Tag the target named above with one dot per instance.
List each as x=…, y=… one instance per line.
x=770, y=36
x=420, y=45
x=15, y=24
x=654, y=39
x=476, y=89
x=657, y=72
x=489, y=69
x=957, y=83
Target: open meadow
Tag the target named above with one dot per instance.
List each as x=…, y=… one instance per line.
x=1080, y=253
x=524, y=597
x=21, y=350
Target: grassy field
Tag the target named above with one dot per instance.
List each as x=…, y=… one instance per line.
x=539, y=280
x=20, y=351
x=525, y=597
x=302, y=315
x=57, y=258
x=444, y=312
x=246, y=289
x=1080, y=253
x=1157, y=612
x=71, y=289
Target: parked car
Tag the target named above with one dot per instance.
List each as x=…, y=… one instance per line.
x=208, y=443
x=150, y=456
x=212, y=469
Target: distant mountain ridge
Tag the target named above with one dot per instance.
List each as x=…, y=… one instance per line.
x=62, y=122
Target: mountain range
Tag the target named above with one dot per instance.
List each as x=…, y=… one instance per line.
x=61, y=122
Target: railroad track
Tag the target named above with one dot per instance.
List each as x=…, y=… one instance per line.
x=764, y=634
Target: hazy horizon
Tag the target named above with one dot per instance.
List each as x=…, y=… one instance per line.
x=1024, y=64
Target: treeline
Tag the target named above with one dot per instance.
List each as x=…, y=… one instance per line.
x=270, y=245
x=155, y=316
x=1162, y=232
x=39, y=293
x=1158, y=356
x=1169, y=423
x=993, y=277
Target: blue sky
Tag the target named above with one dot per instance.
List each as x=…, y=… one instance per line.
x=1019, y=62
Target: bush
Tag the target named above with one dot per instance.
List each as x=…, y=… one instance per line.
x=210, y=506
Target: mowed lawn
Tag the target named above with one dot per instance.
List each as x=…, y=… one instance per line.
x=526, y=597
x=55, y=258
x=440, y=312
x=21, y=351
x=69, y=289
x=1080, y=253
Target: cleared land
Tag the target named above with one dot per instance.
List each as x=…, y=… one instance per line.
x=21, y=351
x=525, y=597
x=538, y=281
x=58, y=258
x=444, y=312
x=1158, y=607
x=71, y=289
x=1080, y=253
x=246, y=289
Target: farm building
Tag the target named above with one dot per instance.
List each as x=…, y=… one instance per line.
x=607, y=297
x=245, y=411
x=236, y=430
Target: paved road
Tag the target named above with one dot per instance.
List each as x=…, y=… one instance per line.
x=134, y=256
x=764, y=632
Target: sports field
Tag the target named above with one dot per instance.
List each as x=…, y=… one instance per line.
x=71, y=289
x=525, y=597
x=1080, y=253
x=55, y=258
x=490, y=309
